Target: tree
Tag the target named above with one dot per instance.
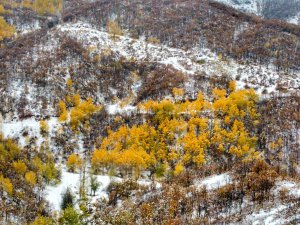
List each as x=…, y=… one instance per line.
x=82, y=111
x=44, y=127
x=74, y=162
x=2, y=10
x=70, y=217
x=41, y=220
x=114, y=29
x=67, y=199
x=179, y=134
x=179, y=168
x=30, y=177
x=20, y=167
x=94, y=184
x=6, y=185
x=63, y=111
x=178, y=93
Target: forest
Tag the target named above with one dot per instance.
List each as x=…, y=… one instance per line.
x=147, y=112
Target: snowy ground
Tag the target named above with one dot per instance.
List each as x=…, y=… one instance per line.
x=295, y=19
x=249, y=6
x=16, y=128
x=257, y=76
x=72, y=181
x=214, y=182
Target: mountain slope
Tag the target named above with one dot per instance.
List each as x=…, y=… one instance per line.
x=154, y=99
x=287, y=10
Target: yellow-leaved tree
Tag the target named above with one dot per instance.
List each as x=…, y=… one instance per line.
x=114, y=29
x=74, y=162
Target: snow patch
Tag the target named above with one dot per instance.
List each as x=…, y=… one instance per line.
x=72, y=181
x=214, y=182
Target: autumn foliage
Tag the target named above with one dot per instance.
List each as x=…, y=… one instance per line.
x=80, y=110
x=180, y=134
x=23, y=175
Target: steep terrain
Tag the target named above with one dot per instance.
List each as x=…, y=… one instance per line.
x=191, y=104
x=288, y=10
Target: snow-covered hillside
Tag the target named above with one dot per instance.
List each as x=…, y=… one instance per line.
x=263, y=78
x=260, y=77
x=249, y=6
x=284, y=10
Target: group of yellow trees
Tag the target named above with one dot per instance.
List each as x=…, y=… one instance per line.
x=180, y=133
x=79, y=110
x=13, y=158
x=23, y=174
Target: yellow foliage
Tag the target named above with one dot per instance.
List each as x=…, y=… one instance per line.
x=82, y=112
x=30, y=178
x=63, y=111
x=40, y=220
x=40, y=6
x=179, y=133
x=179, y=168
x=100, y=158
x=20, y=167
x=220, y=56
x=232, y=85
x=6, y=31
x=276, y=144
x=74, y=162
x=153, y=40
x=2, y=10
x=44, y=127
x=76, y=99
x=69, y=83
x=6, y=185
x=114, y=29
x=47, y=6
x=178, y=93
x=219, y=93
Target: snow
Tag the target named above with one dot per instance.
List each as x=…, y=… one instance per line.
x=291, y=186
x=145, y=182
x=295, y=19
x=71, y=180
x=249, y=6
x=255, y=7
x=259, y=77
x=274, y=214
x=54, y=193
x=15, y=129
x=267, y=217
x=116, y=108
x=214, y=182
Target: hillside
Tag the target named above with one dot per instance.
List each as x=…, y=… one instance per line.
x=148, y=112
x=269, y=9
